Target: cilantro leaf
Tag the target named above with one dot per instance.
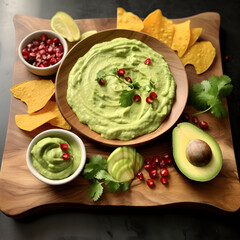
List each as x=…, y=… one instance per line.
x=208, y=95
x=136, y=85
x=101, y=75
x=95, y=190
x=126, y=98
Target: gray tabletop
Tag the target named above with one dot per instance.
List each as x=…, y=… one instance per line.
x=174, y=222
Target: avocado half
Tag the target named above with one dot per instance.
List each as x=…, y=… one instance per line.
x=182, y=134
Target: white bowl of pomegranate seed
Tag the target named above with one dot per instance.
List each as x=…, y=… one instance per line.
x=42, y=52
x=56, y=156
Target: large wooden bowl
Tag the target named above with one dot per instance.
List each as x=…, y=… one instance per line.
x=83, y=46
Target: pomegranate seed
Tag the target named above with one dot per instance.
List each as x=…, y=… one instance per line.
x=25, y=52
x=56, y=40
x=66, y=156
x=153, y=95
x=60, y=46
x=147, y=61
x=153, y=165
x=227, y=57
x=120, y=72
x=195, y=120
x=26, y=57
x=137, y=98
x=42, y=52
x=148, y=160
x=150, y=183
x=162, y=163
x=36, y=43
x=29, y=45
x=164, y=180
x=140, y=176
x=32, y=55
x=102, y=82
x=64, y=146
x=59, y=54
x=156, y=160
x=203, y=124
x=44, y=37
x=168, y=159
x=186, y=116
x=49, y=41
x=41, y=65
x=163, y=172
x=50, y=49
x=149, y=100
x=128, y=79
x=147, y=167
x=58, y=59
x=41, y=46
x=153, y=173
x=52, y=61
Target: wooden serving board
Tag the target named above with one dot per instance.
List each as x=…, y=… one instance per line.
x=21, y=192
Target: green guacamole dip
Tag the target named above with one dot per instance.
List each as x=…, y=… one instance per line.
x=99, y=106
x=47, y=158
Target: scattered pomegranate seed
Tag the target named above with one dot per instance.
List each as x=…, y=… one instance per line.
x=120, y=72
x=162, y=163
x=164, y=180
x=66, y=156
x=149, y=100
x=153, y=95
x=226, y=57
x=153, y=165
x=203, y=124
x=156, y=160
x=153, y=173
x=147, y=167
x=44, y=37
x=186, y=116
x=195, y=120
x=140, y=176
x=150, y=183
x=136, y=98
x=102, y=82
x=128, y=79
x=147, y=61
x=148, y=160
x=64, y=146
x=164, y=172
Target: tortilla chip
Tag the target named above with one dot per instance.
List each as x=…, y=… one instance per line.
x=181, y=37
x=58, y=121
x=194, y=35
x=35, y=93
x=200, y=55
x=128, y=20
x=29, y=122
x=160, y=27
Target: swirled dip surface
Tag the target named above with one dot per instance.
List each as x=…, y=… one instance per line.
x=47, y=158
x=100, y=106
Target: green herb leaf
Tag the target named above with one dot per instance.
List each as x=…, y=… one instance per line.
x=126, y=98
x=208, y=95
x=136, y=85
x=95, y=190
x=100, y=74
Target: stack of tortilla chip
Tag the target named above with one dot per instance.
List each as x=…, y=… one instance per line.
x=180, y=37
x=37, y=94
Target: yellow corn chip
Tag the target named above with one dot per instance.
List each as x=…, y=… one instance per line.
x=58, y=121
x=200, y=55
x=160, y=27
x=35, y=93
x=195, y=34
x=181, y=37
x=29, y=122
x=128, y=20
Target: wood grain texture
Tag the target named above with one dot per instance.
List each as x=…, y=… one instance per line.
x=83, y=47
x=21, y=192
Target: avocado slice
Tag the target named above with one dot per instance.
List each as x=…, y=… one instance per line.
x=182, y=136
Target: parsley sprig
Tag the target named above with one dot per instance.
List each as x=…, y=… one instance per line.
x=207, y=95
x=96, y=172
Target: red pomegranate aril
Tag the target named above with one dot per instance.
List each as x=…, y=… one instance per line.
x=32, y=55
x=186, y=117
x=147, y=167
x=153, y=95
x=29, y=45
x=59, y=54
x=148, y=160
x=58, y=59
x=162, y=163
x=153, y=173
x=102, y=82
x=64, y=146
x=153, y=165
x=42, y=52
x=164, y=180
x=195, y=120
x=66, y=156
x=60, y=46
x=36, y=43
x=49, y=41
x=41, y=46
x=136, y=98
x=44, y=37
x=52, y=61
x=41, y=65
x=147, y=61
x=149, y=100
x=25, y=52
x=120, y=72
x=150, y=183
x=26, y=57
x=56, y=40
x=140, y=176
x=203, y=125
x=164, y=172
x=128, y=79
x=156, y=159
x=50, y=50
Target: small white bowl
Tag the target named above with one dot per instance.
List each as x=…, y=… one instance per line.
x=42, y=71
x=68, y=136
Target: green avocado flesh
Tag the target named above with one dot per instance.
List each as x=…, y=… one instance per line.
x=124, y=163
x=182, y=134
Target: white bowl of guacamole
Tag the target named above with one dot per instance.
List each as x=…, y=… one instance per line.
x=56, y=156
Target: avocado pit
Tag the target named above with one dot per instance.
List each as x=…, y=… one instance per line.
x=198, y=152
